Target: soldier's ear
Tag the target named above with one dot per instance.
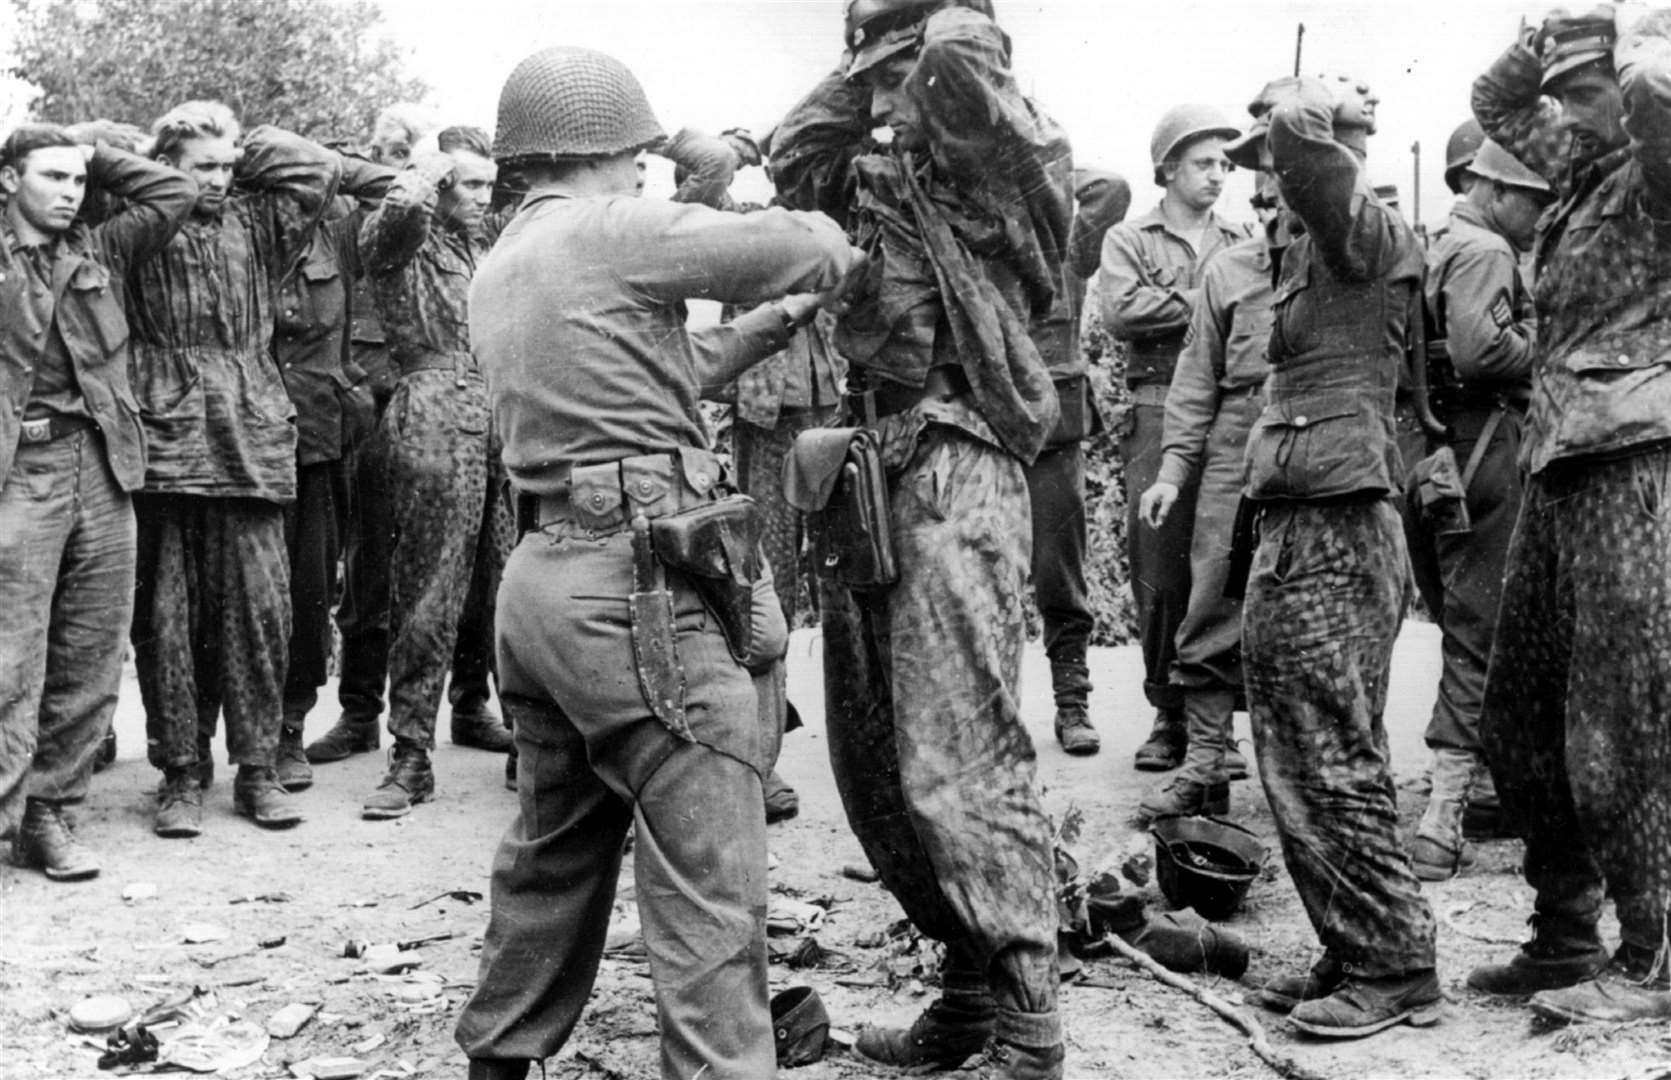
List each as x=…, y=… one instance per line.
x=10, y=180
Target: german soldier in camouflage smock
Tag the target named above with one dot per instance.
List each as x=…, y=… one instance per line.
x=966, y=222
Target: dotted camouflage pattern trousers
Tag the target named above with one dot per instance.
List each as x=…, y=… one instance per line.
x=1323, y=604
x=933, y=764
x=1577, y=715
x=446, y=516
x=211, y=626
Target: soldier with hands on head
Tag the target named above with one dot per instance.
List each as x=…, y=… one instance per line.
x=1576, y=721
x=211, y=622
x=966, y=220
x=631, y=703
x=311, y=348
x=1479, y=364
x=420, y=249
x=1326, y=588
x=71, y=455
x=1213, y=401
x=1149, y=285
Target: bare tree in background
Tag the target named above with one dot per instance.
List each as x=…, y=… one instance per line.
x=319, y=67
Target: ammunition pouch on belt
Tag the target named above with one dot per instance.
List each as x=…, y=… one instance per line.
x=717, y=546
x=640, y=494
x=835, y=477
x=1441, y=496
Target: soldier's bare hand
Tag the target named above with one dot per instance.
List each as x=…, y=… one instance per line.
x=1156, y=504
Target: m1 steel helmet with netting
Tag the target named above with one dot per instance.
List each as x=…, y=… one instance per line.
x=570, y=102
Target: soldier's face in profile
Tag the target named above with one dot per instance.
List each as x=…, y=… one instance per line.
x=1592, y=107
x=892, y=107
x=1196, y=177
x=47, y=186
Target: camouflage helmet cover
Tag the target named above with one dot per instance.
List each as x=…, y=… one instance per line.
x=569, y=102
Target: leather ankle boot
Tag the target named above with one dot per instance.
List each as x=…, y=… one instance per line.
x=1563, y=951
x=1201, y=786
x=348, y=736
x=1164, y=748
x=408, y=782
x=291, y=762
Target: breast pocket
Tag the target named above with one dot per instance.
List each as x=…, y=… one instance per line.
x=1320, y=445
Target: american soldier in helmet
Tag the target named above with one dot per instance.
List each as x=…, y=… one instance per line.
x=632, y=703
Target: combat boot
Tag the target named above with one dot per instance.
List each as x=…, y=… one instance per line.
x=179, y=804
x=45, y=841
x=1362, y=1006
x=1631, y=987
x=1074, y=730
x=1200, y=787
x=291, y=763
x=347, y=737
x=408, y=782
x=257, y=795
x=1563, y=951
x=479, y=727
x=1284, y=992
x=1439, y=852
x=944, y=1036
x=1164, y=748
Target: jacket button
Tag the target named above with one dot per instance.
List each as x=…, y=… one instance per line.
x=1624, y=361
x=644, y=487
x=597, y=500
x=701, y=482
x=1301, y=421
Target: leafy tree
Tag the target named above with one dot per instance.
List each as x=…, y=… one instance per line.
x=318, y=67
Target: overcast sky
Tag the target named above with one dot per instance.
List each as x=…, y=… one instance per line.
x=1106, y=70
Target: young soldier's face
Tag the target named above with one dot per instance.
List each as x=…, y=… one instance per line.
x=209, y=161
x=466, y=201
x=46, y=188
x=1196, y=178
x=892, y=107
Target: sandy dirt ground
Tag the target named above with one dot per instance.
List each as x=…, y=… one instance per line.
x=337, y=879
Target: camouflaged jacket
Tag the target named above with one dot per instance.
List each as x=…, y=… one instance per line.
x=217, y=418
x=1601, y=369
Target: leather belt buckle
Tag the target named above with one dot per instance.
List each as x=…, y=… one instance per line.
x=37, y=431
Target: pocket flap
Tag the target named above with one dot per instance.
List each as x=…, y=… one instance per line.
x=595, y=495
x=647, y=481
x=813, y=465
x=1307, y=410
